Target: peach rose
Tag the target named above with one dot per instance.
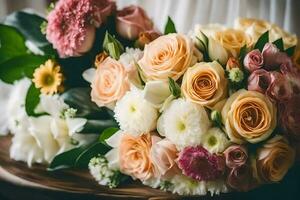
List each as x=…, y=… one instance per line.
x=167, y=56
x=110, y=83
x=249, y=116
x=134, y=155
x=205, y=83
x=164, y=155
x=233, y=40
x=274, y=159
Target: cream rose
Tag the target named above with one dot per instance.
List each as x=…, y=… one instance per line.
x=167, y=56
x=110, y=83
x=205, y=83
x=233, y=40
x=248, y=116
x=274, y=159
x=134, y=155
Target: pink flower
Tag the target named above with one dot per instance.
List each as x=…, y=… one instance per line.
x=72, y=24
x=164, y=154
x=253, y=60
x=131, y=21
x=259, y=80
x=235, y=156
x=279, y=90
x=273, y=58
x=241, y=179
x=198, y=163
x=289, y=116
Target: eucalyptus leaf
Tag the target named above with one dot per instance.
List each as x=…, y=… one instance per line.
x=107, y=133
x=80, y=99
x=290, y=51
x=32, y=100
x=262, y=40
x=174, y=88
x=66, y=159
x=170, y=26
x=12, y=43
x=97, y=126
x=19, y=67
x=85, y=156
x=279, y=44
x=29, y=25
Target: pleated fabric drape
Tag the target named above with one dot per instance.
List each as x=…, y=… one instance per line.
x=187, y=13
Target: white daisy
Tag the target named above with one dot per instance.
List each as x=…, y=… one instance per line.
x=134, y=114
x=183, y=123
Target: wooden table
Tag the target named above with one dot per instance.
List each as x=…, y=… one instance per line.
x=17, y=181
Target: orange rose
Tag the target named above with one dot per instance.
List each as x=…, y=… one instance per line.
x=205, y=83
x=110, y=83
x=167, y=56
x=274, y=159
x=134, y=155
x=248, y=116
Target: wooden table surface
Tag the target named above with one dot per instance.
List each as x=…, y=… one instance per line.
x=17, y=181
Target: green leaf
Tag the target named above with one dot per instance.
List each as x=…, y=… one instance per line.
x=107, y=133
x=290, y=51
x=279, y=44
x=19, y=67
x=32, y=100
x=66, y=159
x=29, y=25
x=12, y=43
x=243, y=53
x=82, y=161
x=112, y=46
x=174, y=88
x=170, y=26
x=262, y=40
x=97, y=126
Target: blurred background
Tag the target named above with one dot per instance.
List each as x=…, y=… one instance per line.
x=187, y=13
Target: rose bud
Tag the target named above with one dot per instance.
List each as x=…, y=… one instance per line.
x=100, y=58
x=235, y=156
x=273, y=58
x=146, y=37
x=232, y=63
x=259, y=81
x=131, y=21
x=253, y=60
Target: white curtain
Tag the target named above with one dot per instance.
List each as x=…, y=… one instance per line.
x=187, y=13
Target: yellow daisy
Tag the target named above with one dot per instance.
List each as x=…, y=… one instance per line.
x=48, y=78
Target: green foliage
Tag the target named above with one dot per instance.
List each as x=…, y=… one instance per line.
x=112, y=46
x=32, y=100
x=174, y=88
x=107, y=133
x=279, y=44
x=170, y=26
x=262, y=40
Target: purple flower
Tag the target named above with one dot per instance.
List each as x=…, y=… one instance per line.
x=253, y=60
x=198, y=163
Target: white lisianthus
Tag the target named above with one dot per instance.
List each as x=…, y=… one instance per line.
x=183, y=123
x=215, y=141
x=103, y=174
x=216, y=51
x=156, y=92
x=184, y=185
x=134, y=114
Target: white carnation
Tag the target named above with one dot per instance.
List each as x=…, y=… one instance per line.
x=186, y=186
x=184, y=123
x=215, y=141
x=134, y=114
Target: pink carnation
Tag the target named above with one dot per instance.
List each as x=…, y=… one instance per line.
x=198, y=163
x=72, y=24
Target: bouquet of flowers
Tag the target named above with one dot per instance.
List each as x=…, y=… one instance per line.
x=95, y=87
